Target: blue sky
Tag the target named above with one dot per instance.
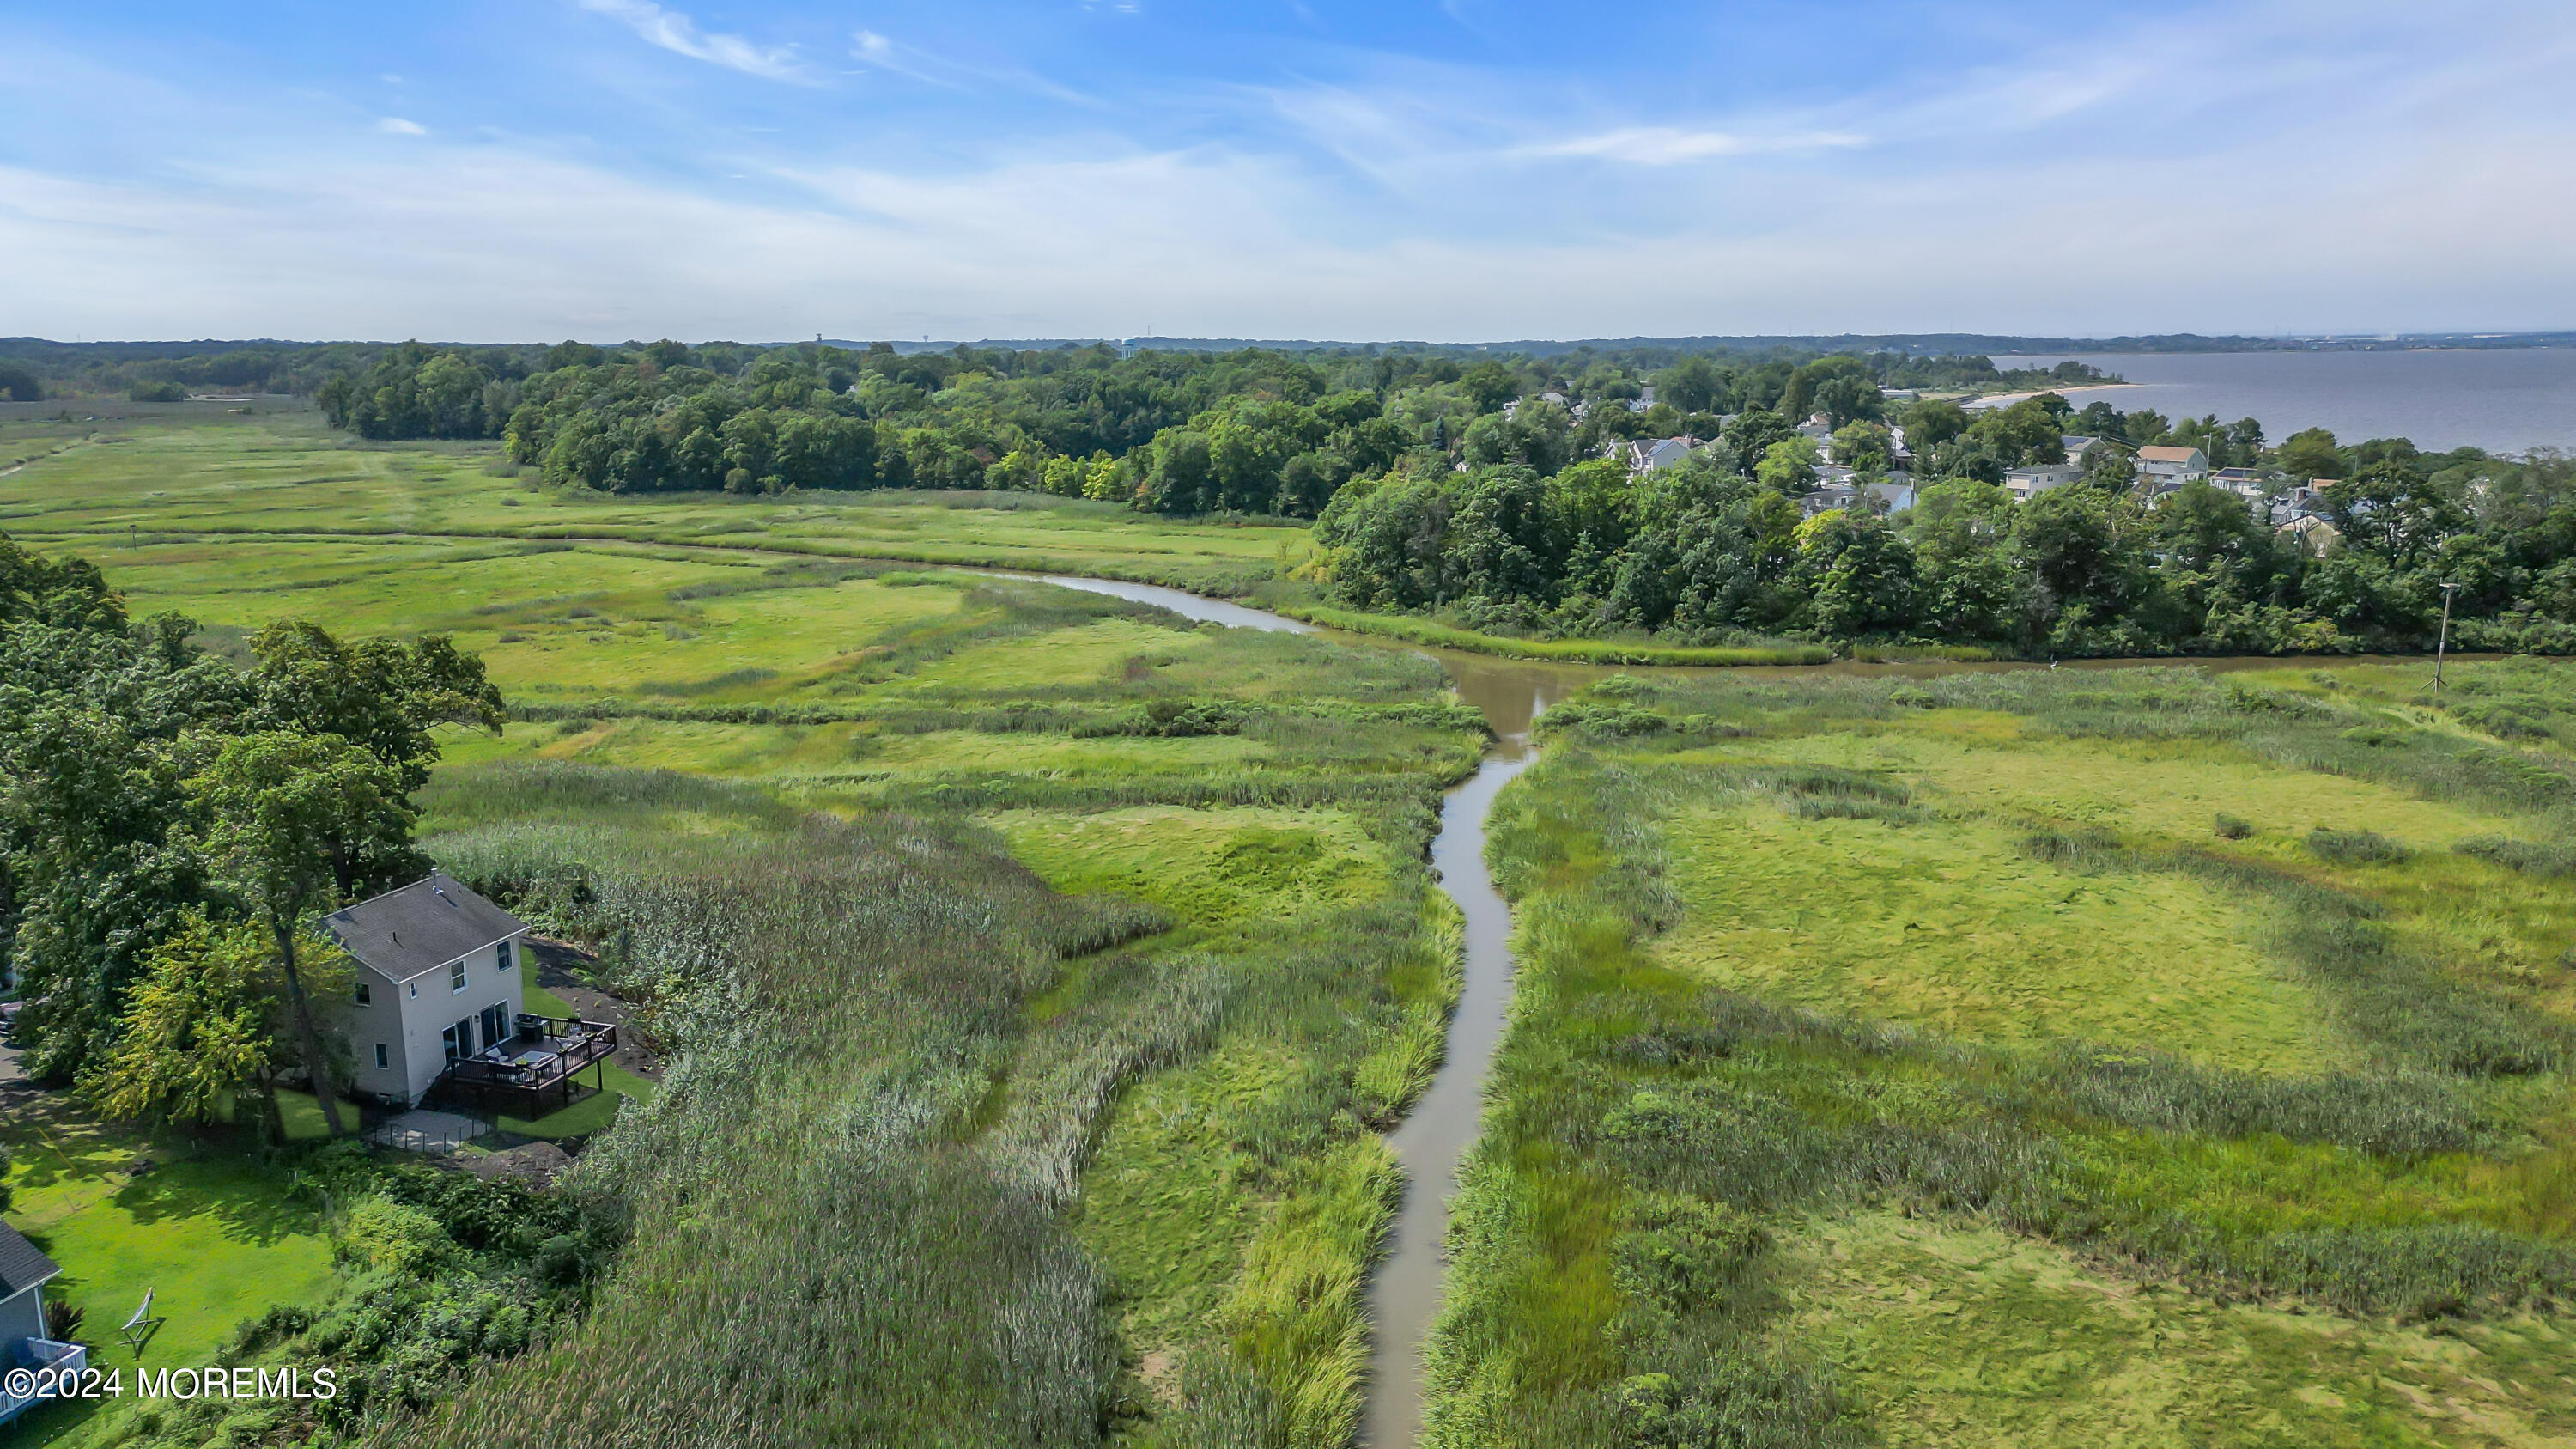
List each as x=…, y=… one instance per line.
x=1451, y=170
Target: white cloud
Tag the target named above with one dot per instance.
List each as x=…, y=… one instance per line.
x=1670, y=146
x=397, y=126
x=676, y=32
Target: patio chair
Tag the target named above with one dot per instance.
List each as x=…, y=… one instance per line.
x=139, y=1329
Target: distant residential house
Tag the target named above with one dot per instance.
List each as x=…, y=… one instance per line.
x=2024, y=484
x=2295, y=503
x=24, y=1272
x=1818, y=427
x=1842, y=488
x=1644, y=399
x=2162, y=468
x=2243, y=482
x=2077, y=445
x=1645, y=455
x=2313, y=534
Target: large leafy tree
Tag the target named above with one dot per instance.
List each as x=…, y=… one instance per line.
x=289, y=817
x=200, y=1031
x=380, y=694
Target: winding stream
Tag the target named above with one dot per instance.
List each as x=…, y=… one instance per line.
x=1404, y=1293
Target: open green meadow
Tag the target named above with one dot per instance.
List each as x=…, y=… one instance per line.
x=1085, y=950
x=2044, y=1057
x=2004, y=1057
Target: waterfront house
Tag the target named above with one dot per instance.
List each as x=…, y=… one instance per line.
x=438, y=1003
x=24, y=1272
x=2313, y=534
x=1842, y=488
x=2162, y=468
x=2077, y=445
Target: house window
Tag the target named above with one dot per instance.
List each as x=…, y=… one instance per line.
x=456, y=974
x=366, y=994
x=506, y=956
x=455, y=1048
x=384, y=1058
x=415, y=991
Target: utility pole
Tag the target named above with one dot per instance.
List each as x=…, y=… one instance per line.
x=2443, y=648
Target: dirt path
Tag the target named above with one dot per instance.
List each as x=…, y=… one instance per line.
x=564, y=969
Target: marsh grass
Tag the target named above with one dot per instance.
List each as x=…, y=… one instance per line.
x=2409, y=1188
x=2357, y=847
x=2548, y=861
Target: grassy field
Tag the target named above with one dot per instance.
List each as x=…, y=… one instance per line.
x=1082, y=950
x=214, y=512
x=2032, y=1058
x=210, y=1232
x=2038, y=1057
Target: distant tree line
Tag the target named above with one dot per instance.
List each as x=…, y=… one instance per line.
x=1720, y=547
x=1186, y=432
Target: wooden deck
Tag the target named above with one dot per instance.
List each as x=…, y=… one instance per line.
x=538, y=1070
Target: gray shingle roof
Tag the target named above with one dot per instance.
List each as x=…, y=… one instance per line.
x=421, y=927
x=21, y=1266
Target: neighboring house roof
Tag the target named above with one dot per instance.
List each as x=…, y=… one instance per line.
x=22, y=1266
x=2076, y=443
x=2155, y=454
x=421, y=927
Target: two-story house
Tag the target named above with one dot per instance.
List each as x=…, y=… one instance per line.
x=2161, y=468
x=437, y=982
x=1645, y=455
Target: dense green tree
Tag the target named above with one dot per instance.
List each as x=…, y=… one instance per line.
x=1864, y=447
x=1489, y=385
x=199, y=1032
x=1788, y=466
x=1859, y=574
x=1693, y=385
x=289, y=817
x=2311, y=453
x=1931, y=422
x=2026, y=433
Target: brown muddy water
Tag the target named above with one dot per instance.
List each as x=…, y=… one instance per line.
x=1432, y=1142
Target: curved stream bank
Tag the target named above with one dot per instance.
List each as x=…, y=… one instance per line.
x=1404, y=1292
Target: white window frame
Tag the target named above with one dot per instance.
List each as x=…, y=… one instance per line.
x=456, y=976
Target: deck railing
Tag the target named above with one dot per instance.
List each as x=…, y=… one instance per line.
x=571, y=1044
x=51, y=1362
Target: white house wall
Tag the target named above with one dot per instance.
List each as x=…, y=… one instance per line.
x=409, y=1017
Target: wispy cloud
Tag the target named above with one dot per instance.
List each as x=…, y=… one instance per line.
x=676, y=32
x=883, y=52
x=1672, y=146
x=397, y=126
x=878, y=52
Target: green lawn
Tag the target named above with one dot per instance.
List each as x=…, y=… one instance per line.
x=209, y=1229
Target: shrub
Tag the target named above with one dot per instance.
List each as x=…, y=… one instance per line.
x=2357, y=847
x=2521, y=855
x=2232, y=828
x=2085, y=849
